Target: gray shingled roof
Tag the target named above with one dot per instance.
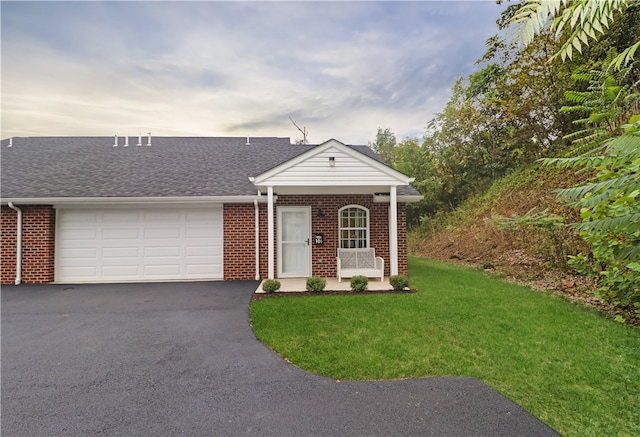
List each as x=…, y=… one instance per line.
x=48, y=167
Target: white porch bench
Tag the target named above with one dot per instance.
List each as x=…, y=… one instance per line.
x=354, y=262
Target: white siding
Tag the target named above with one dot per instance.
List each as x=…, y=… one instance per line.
x=124, y=244
x=349, y=170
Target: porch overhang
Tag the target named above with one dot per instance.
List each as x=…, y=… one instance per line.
x=334, y=168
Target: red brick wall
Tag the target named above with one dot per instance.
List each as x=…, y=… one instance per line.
x=239, y=243
x=8, y=234
x=38, y=243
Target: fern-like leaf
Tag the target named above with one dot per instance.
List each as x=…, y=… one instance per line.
x=627, y=224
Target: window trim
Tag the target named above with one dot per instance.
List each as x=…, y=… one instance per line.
x=367, y=229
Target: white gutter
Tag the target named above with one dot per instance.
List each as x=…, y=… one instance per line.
x=255, y=204
x=93, y=201
x=18, y=244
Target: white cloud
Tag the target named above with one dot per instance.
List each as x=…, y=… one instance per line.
x=340, y=69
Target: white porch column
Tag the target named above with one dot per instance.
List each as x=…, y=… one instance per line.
x=270, y=232
x=393, y=231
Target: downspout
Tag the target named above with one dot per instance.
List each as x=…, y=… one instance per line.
x=255, y=204
x=18, y=243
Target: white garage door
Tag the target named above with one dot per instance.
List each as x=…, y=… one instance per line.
x=119, y=244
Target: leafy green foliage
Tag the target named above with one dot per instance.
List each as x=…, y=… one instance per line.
x=316, y=284
x=399, y=282
x=610, y=210
x=579, y=21
x=271, y=285
x=609, y=204
x=359, y=283
x=385, y=145
x=609, y=100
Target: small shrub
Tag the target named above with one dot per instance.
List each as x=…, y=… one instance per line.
x=399, y=282
x=359, y=283
x=316, y=283
x=271, y=285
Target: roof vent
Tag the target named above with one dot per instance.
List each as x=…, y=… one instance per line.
x=149, y=140
x=115, y=141
x=10, y=142
x=248, y=142
x=139, y=140
x=126, y=141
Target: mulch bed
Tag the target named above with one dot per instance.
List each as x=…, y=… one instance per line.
x=258, y=296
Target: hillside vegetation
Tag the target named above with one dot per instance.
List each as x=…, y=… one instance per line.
x=559, y=115
x=529, y=248
x=518, y=229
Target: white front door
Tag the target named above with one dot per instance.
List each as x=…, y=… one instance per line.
x=294, y=251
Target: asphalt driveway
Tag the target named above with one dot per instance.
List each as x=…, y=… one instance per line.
x=181, y=359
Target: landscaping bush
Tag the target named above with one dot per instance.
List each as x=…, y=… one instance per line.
x=316, y=283
x=271, y=285
x=359, y=283
x=399, y=282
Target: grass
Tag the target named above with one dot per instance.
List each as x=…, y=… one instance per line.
x=566, y=364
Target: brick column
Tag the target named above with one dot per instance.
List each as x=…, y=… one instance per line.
x=38, y=244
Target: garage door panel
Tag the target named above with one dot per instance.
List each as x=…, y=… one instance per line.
x=120, y=217
x=121, y=271
x=201, y=232
x=120, y=252
x=80, y=217
x=120, y=234
x=210, y=258
x=82, y=234
x=193, y=251
x=80, y=263
x=112, y=245
x=162, y=233
x=162, y=251
x=202, y=269
x=200, y=216
x=82, y=253
x=162, y=216
x=162, y=270
x=83, y=272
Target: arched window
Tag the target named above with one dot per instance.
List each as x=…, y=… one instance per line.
x=354, y=227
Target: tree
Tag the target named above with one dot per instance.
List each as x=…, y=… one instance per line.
x=385, y=145
x=301, y=141
x=413, y=159
x=501, y=117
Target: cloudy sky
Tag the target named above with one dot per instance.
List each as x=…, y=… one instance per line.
x=341, y=69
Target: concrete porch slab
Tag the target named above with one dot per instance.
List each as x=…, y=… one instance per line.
x=300, y=284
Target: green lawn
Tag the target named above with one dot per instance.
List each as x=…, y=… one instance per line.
x=569, y=366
